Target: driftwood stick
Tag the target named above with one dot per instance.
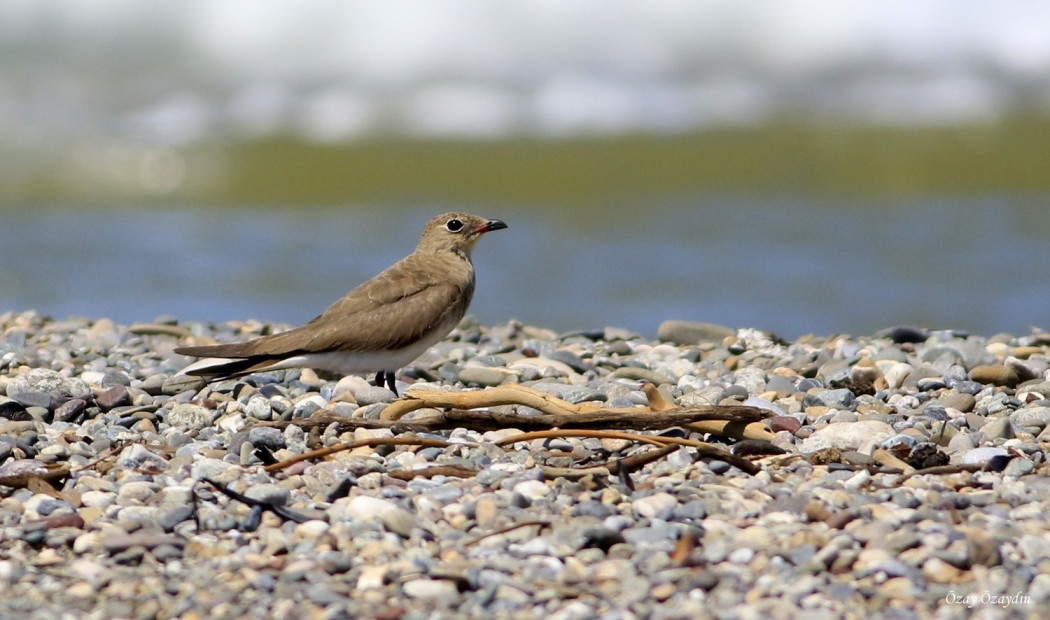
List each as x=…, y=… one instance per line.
x=374, y=441
x=654, y=440
x=888, y=459
x=736, y=421
x=702, y=447
x=734, y=430
x=452, y=471
x=656, y=399
x=480, y=420
x=511, y=394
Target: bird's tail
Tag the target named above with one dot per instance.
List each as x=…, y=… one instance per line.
x=214, y=368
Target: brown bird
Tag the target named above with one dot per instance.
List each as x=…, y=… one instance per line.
x=379, y=326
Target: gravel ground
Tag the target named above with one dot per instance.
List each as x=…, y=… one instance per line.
x=104, y=512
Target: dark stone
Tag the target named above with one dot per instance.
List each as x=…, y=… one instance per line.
x=11, y=409
x=926, y=455
x=784, y=423
x=602, y=538
x=574, y=361
x=902, y=334
x=169, y=519
x=32, y=398
x=593, y=508
x=70, y=410
x=114, y=377
x=113, y=397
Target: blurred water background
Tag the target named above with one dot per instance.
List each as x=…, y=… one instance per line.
x=797, y=167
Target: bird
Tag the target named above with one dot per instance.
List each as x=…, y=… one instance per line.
x=379, y=326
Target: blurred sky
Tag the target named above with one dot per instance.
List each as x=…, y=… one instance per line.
x=177, y=72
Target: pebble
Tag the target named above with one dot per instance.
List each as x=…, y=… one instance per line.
x=861, y=436
x=189, y=416
x=484, y=377
x=692, y=332
x=1005, y=376
x=821, y=526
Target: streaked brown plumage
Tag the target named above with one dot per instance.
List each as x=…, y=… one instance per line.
x=379, y=326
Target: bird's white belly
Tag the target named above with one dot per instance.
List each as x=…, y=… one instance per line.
x=362, y=361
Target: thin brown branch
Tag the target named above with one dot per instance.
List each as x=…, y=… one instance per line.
x=455, y=471
x=628, y=464
x=649, y=439
x=503, y=530
x=736, y=421
x=704, y=448
x=372, y=442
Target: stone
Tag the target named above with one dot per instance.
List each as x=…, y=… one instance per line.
x=784, y=423
x=1032, y=417
x=655, y=504
x=46, y=380
x=266, y=437
x=982, y=455
x=692, y=332
x=1004, y=376
x=998, y=428
x=115, y=396
x=431, y=589
x=479, y=376
x=269, y=493
x=862, y=436
x=394, y=518
x=189, y=416
x=532, y=489
x=837, y=399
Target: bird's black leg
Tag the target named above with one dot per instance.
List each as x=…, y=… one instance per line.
x=386, y=377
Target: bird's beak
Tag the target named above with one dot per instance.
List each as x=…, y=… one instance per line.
x=489, y=225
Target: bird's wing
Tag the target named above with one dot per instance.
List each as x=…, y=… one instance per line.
x=390, y=311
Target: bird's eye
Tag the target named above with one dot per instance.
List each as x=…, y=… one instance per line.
x=454, y=225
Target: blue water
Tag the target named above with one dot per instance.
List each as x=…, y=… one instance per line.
x=789, y=265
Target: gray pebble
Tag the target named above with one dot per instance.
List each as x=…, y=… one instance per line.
x=477, y=376
x=269, y=493
x=189, y=416
x=267, y=437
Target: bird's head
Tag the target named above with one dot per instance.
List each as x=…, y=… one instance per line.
x=456, y=232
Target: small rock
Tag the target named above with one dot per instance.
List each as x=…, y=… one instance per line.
x=1019, y=467
x=784, y=423
x=862, y=436
x=266, y=437
x=692, y=332
x=269, y=493
x=838, y=399
x=602, y=538
x=999, y=428
x=995, y=375
x=46, y=380
x=1034, y=417
x=981, y=455
x=115, y=396
x=394, y=518
x=431, y=589
x=655, y=504
x=189, y=416
x=70, y=410
x=480, y=376
x=258, y=407
x=532, y=489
